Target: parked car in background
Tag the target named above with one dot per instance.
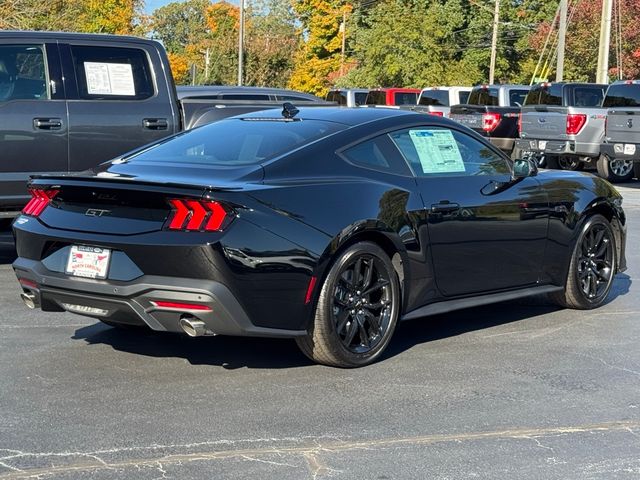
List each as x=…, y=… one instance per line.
x=562, y=124
x=241, y=227
x=493, y=111
x=620, y=150
x=348, y=97
x=392, y=96
x=438, y=100
x=70, y=101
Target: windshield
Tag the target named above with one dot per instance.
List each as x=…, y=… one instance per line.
x=238, y=141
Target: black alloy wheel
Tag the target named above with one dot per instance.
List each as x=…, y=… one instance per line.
x=357, y=310
x=592, y=268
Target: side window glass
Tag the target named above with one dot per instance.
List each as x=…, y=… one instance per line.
x=379, y=154
x=22, y=73
x=434, y=151
x=108, y=73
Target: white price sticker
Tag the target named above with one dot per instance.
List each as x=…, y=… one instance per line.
x=109, y=79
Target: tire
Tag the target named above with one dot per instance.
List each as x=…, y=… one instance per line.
x=343, y=333
x=587, y=266
x=616, y=170
x=569, y=162
x=636, y=170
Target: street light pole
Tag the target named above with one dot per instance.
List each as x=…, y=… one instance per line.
x=602, y=74
x=562, y=35
x=241, y=44
x=494, y=42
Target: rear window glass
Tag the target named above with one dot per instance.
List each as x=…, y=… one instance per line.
x=484, y=96
x=361, y=98
x=516, y=97
x=339, y=97
x=238, y=141
x=111, y=73
x=622, y=95
x=439, y=98
x=544, y=95
x=463, y=97
x=588, y=96
x=376, y=98
x=405, y=98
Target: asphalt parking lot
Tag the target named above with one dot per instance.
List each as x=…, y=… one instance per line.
x=515, y=390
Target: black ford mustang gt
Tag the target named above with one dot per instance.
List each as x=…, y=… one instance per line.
x=324, y=225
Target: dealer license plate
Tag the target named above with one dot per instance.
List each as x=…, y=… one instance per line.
x=89, y=262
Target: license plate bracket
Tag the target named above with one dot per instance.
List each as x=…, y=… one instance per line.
x=88, y=262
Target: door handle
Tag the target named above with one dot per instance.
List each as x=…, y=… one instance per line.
x=444, y=207
x=155, y=123
x=47, y=123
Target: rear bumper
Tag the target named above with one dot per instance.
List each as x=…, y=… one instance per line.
x=560, y=147
x=617, y=151
x=505, y=144
x=131, y=302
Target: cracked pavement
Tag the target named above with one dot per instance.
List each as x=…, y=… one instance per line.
x=516, y=390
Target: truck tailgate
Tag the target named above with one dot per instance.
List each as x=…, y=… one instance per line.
x=544, y=123
x=623, y=126
x=468, y=115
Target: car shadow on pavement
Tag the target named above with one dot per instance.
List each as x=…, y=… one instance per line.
x=7, y=248
x=245, y=352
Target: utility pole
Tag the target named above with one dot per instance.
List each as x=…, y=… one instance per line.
x=562, y=34
x=241, y=44
x=602, y=74
x=207, y=62
x=494, y=42
x=343, y=30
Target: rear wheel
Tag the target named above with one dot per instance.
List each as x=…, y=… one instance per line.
x=357, y=310
x=616, y=170
x=592, y=267
x=636, y=170
x=566, y=162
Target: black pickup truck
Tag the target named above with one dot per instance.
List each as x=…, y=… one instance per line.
x=493, y=111
x=69, y=101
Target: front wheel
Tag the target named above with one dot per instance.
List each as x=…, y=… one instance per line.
x=615, y=170
x=592, y=267
x=357, y=310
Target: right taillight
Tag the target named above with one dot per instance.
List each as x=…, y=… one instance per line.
x=40, y=198
x=197, y=215
x=575, y=122
x=490, y=121
x=519, y=124
x=437, y=114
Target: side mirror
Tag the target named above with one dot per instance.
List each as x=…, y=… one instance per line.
x=523, y=168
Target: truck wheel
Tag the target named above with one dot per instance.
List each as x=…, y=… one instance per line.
x=636, y=170
x=592, y=267
x=569, y=162
x=357, y=310
x=615, y=170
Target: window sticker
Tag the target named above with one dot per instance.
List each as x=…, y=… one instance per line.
x=437, y=150
x=109, y=79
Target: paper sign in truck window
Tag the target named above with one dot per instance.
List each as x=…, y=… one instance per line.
x=109, y=79
x=437, y=150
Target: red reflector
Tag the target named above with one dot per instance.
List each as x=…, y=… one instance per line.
x=575, y=122
x=437, y=114
x=519, y=123
x=197, y=215
x=490, y=121
x=27, y=283
x=309, y=296
x=180, y=306
x=39, y=200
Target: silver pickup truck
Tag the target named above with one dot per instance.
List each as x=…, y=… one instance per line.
x=621, y=147
x=562, y=124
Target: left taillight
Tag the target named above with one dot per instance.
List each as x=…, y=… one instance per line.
x=197, y=215
x=40, y=198
x=490, y=121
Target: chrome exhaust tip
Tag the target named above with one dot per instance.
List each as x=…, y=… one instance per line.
x=192, y=326
x=29, y=300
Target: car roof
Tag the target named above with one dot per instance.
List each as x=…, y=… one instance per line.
x=73, y=36
x=185, y=91
x=350, y=116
